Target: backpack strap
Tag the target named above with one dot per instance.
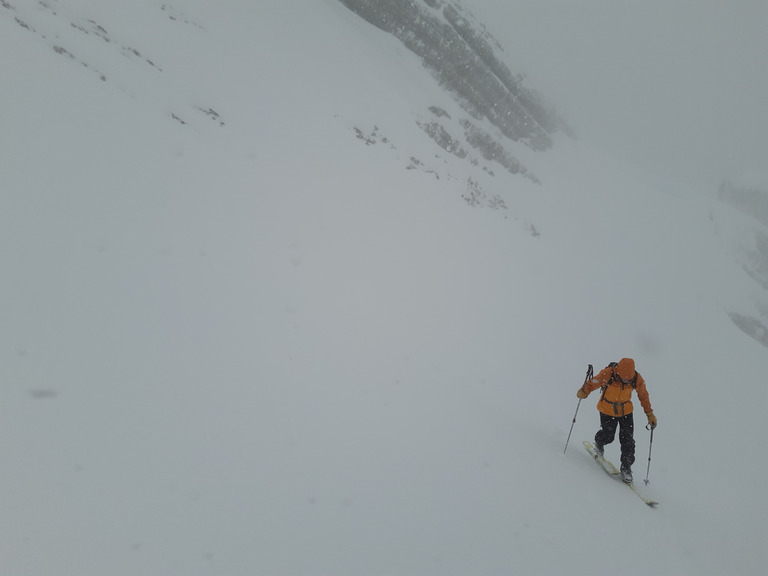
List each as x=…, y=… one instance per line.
x=614, y=378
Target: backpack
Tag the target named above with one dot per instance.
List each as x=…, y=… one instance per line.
x=614, y=378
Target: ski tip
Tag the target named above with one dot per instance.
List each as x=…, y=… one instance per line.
x=652, y=504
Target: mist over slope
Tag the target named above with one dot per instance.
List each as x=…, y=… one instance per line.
x=750, y=198
x=269, y=307
x=465, y=59
x=675, y=88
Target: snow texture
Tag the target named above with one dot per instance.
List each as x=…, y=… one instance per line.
x=262, y=316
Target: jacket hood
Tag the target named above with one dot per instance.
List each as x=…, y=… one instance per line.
x=626, y=369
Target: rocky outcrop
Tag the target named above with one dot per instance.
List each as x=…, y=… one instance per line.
x=467, y=62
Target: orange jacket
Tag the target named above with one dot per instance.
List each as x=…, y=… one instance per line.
x=617, y=385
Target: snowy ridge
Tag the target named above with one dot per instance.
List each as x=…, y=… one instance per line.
x=317, y=340
x=465, y=59
x=114, y=55
x=751, y=245
x=467, y=62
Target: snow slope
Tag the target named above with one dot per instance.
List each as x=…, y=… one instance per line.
x=255, y=321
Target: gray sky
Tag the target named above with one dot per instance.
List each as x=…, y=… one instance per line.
x=679, y=85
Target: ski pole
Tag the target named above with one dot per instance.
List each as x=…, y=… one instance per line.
x=572, y=423
x=589, y=375
x=650, y=446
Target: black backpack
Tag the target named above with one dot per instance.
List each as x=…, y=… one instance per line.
x=615, y=378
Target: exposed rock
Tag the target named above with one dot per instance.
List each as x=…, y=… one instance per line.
x=463, y=58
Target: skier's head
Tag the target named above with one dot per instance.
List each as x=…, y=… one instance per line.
x=625, y=369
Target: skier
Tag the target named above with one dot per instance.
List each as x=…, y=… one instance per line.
x=617, y=380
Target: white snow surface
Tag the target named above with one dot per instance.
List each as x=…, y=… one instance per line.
x=249, y=343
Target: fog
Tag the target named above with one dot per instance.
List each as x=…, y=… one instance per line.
x=259, y=321
x=677, y=87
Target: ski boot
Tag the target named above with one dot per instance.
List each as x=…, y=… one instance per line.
x=599, y=450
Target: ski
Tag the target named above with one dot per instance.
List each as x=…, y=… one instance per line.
x=606, y=465
x=611, y=470
x=648, y=501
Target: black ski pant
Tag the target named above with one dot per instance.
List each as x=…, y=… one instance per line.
x=607, y=433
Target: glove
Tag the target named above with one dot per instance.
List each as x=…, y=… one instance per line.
x=651, y=420
x=581, y=394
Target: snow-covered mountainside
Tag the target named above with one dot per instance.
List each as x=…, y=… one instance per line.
x=467, y=62
x=750, y=198
x=279, y=297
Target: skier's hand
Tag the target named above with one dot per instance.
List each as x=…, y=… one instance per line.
x=581, y=394
x=651, y=420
